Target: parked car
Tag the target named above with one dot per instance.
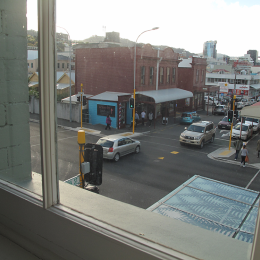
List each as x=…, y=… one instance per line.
x=219, y=109
x=240, y=105
x=116, y=146
x=246, y=131
x=224, y=124
x=189, y=117
x=198, y=134
x=254, y=122
x=245, y=102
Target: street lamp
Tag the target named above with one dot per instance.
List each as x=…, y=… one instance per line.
x=155, y=28
x=70, y=65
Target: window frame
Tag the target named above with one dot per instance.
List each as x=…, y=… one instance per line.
x=161, y=75
x=173, y=75
x=142, y=75
x=151, y=75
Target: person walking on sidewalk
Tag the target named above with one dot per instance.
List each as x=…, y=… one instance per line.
x=244, y=153
x=258, y=148
x=108, y=122
x=136, y=118
x=150, y=117
x=238, y=145
x=143, y=114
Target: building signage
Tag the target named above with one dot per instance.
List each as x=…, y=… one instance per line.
x=223, y=87
x=105, y=110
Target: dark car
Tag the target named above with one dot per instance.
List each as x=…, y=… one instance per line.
x=224, y=124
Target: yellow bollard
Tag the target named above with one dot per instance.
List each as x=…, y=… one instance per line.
x=81, y=142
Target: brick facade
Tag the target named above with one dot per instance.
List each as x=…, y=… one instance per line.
x=112, y=69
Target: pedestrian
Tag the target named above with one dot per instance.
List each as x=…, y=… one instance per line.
x=108, y=122
x=136, y=118
x=143, y=114
x=258, y=148
x=238, y=145
x=244, y=153
x=150, y=117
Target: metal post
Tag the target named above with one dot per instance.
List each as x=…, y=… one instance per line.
x=81, y=97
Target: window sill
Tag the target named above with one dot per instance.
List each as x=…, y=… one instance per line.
x=143, y=230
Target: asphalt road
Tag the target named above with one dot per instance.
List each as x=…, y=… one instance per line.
x=161, y=166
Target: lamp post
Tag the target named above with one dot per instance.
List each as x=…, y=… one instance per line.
x=155, y=28
x=70, y=65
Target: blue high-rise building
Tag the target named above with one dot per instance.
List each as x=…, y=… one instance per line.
x=209, y=49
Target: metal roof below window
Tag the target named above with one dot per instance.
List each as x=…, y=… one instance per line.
x=164, y=95
x=217, y=206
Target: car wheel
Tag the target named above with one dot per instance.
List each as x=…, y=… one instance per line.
x=116, y=157
x=137, y=149
x=202, y=144
x=212, y=139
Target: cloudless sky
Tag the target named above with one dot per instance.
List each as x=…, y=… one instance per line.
x=183, y=24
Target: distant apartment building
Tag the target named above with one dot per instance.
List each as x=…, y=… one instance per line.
x=254, y=55
x=209, y=49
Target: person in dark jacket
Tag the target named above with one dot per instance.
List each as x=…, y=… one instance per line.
x=108, y=122
x=238, y=145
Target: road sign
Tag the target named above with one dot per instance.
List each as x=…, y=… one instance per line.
x=74, y=180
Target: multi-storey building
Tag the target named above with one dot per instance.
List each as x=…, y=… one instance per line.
x=209, y=49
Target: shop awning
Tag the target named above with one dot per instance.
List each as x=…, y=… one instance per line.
x=164, y=95
x=251, y=111
x=255, y=86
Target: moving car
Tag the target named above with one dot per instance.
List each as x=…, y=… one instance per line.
x=189, y=117
x=224, y=124
x=219, y=109
x=254, y=122
x=116, y=146
x=198, y=134
x=246, y=131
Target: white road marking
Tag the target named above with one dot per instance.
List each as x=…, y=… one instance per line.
x=252, y=180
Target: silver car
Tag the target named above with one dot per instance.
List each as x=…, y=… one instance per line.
x=116, y=146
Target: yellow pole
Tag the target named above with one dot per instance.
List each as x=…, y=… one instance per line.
x=81, y=142
x=81, y=86
x=134, y=114
x=234, y=97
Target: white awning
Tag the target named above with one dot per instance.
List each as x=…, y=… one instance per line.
x=164, y=95
x=251, y=111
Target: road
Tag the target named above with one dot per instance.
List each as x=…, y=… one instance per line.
x=161, y=166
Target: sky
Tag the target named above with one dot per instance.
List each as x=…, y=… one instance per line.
x=186, y=24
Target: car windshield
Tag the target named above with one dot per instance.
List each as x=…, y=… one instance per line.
x=196, y=128
x=219, y=107
x=224, y=119
x=252, y=119
x=185, y=115
x=244, y=127
x=105, y=143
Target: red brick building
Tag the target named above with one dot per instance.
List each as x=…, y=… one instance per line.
x=112, y=69
x=192, y=75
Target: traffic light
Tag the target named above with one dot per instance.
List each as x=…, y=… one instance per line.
x=84, y=100
x=78, y=98
x=93, y=154
x=230, y=116
x=131, y=103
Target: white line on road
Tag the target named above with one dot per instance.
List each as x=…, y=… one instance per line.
x=252, y=180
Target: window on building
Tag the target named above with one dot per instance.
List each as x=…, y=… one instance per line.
x=202, y=75
x=161, y=75
x=173, y=75
x=28, y=65
x=31, y=65
x=58, y=65
x=68, y=65
x=168, y=75
x=63, y=65
x=197, y=75
x=151, y=75
x=143, y=75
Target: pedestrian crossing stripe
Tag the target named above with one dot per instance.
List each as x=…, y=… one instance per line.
x=161, y=158
x=174, y=152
